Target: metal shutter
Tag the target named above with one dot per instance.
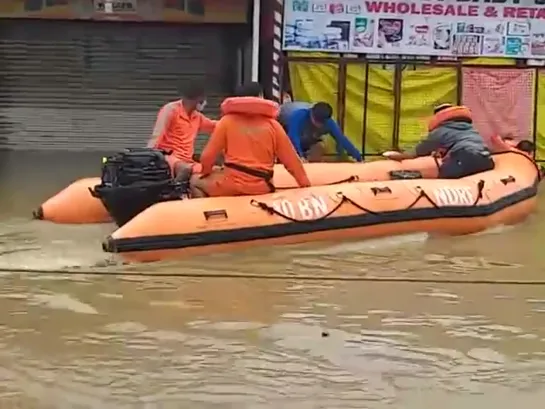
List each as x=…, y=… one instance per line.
x=78, y=85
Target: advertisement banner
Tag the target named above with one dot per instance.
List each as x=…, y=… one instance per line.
x=471, y=28
x=174, y=11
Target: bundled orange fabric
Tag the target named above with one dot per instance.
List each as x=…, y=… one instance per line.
x=447, y=112
x=251, y=140
x=175, y=130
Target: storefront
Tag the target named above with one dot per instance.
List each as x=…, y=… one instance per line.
x=383, y=66
x=92, y=75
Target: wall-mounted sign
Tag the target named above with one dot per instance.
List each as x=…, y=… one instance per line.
x=115, y=9
x=176, y=11
x=508, y=28
x=110, y=6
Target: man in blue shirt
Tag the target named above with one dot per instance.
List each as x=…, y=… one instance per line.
x=305, y=124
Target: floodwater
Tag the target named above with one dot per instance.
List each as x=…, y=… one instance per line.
x=301, y=340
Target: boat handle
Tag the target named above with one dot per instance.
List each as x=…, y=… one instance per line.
x=507, y=180
x=378, y=190
x=215, y=213
x=93, y=193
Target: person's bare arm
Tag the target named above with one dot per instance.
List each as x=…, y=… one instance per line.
x=161, y=124
x=207, y=125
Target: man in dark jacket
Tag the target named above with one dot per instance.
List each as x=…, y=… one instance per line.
x=452, y=135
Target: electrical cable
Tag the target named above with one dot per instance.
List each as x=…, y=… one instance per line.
x=257, y=276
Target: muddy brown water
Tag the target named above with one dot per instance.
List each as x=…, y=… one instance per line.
x=84, y=341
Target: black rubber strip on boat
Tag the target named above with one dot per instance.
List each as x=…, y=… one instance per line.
x=180, y=241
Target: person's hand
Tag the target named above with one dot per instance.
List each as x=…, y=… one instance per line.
x=393, y=155
x=304, y=160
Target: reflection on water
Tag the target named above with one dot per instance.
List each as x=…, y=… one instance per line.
x=164, y=342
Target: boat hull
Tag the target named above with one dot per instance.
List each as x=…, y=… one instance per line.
x=76, y=205
x=505, y=195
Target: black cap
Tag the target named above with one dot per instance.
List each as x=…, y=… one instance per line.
x=250, y=89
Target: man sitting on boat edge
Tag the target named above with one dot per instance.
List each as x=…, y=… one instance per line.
x=176, y=129
x=306, y=124
x=502, y=143
x=452, y=135
x=251, y=139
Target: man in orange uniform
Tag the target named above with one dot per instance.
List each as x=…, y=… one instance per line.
x=251, y=139
x=176, y=129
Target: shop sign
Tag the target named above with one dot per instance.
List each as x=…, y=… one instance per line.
x=442, y=28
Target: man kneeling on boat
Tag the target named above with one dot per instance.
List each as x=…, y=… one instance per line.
x=176, y=129
x=250, y=139
x=306, y=124
x=452, y=135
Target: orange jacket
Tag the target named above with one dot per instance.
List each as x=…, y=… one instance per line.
x=175, y=130
x=249, y=135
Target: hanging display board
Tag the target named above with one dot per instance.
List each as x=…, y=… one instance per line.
x=472, y=28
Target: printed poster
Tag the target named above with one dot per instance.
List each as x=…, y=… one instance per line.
x=514, y=29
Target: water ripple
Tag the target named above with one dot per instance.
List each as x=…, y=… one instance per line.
x=156, y=342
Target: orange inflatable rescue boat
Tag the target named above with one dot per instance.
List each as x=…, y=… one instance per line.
x=76, y=205
x=505, y=195
x=121, y=191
